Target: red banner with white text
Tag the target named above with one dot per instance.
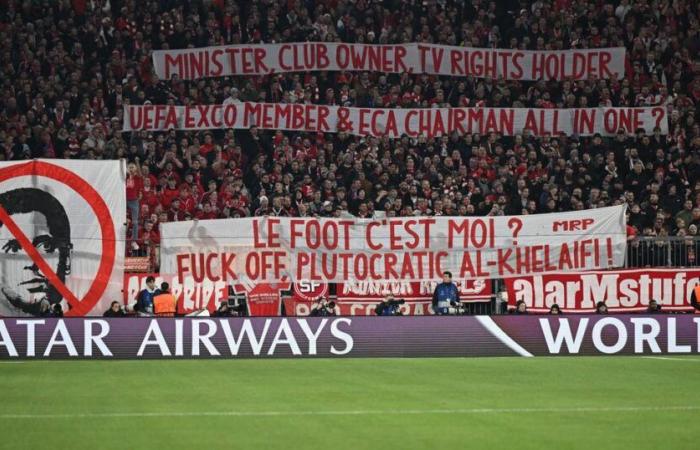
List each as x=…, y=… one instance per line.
x=621, y=290
x=395, y=122
x=263, y=299
x=360, y=297
x=295, y=307
x=191, y=296
x=509, y=64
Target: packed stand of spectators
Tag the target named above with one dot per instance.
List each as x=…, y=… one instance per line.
x=67, y=68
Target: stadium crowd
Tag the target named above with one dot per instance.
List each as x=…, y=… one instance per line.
x=67, y=68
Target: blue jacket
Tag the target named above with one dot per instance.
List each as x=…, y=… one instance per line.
x=444, y=295
x=145, y=300
x=384, y=309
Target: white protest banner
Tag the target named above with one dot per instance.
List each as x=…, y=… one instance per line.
x=509, y=64
x=272, y=249
x=394, y=123
x=61, y=236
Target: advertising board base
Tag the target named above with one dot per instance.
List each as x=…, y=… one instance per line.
x=333, y=337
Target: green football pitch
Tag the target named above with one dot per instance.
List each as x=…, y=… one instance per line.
x=499, y=403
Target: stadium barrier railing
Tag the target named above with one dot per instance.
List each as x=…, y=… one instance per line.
x=663, y=251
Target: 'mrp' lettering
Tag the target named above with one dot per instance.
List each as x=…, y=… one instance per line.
x=572, y=225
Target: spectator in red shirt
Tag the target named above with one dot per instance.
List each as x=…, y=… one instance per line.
x=175, y=213
x=206, y=212
x=149, y=235
x=149, y=195
x=134, y=188
x=207, y=194
x=169, y=170
x=170, y=192
x=187, y=201
x=148, y=242
x=207, y=147
x=146, y=173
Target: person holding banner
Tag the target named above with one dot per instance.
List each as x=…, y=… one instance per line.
x=446, y=295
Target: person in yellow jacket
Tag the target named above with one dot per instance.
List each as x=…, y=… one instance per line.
x=165, y=303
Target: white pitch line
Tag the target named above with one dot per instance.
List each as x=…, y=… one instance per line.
x=632, y=409
x=664, y=358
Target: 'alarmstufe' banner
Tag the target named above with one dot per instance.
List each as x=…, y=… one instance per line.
x=265, y=59
x=272, y=249
x=621, y=290
x=394, y=122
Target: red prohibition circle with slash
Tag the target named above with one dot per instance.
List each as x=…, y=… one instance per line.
x=79, y=307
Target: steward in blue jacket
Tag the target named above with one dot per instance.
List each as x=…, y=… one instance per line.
x=144, y=300
x=446, y=294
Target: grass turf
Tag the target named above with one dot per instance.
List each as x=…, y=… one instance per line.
x=548, y=385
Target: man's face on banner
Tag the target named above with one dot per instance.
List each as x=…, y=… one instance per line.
x=20, y=278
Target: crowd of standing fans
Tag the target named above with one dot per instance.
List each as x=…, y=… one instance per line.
x=68, y=67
